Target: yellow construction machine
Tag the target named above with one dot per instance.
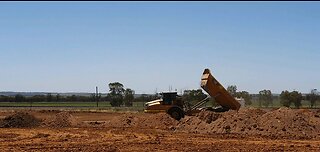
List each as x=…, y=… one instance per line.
x=172, y=103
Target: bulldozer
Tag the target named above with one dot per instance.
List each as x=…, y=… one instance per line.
x=173, y=104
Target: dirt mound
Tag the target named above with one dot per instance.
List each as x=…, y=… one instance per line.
x=20, y=120
x=289, y=122
x=158, y=121
x=242, y=121
x=142, y=120
x=60, y=120
x=283, y=122
x=126, y=120
x=227, y=122
x=208, y=117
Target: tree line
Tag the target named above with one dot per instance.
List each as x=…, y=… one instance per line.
x=118, y=96
x=287, y=98
x=46, y=98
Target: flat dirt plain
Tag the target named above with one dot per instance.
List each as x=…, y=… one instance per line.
x=248, y=129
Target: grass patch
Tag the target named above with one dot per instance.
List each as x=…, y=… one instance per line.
x=61, y=104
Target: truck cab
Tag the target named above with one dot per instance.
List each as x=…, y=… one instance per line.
x=170, y=102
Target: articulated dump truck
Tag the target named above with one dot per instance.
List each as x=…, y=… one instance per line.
x=218, y=92
x=172, y=103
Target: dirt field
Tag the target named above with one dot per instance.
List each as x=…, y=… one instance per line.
x=247, y=130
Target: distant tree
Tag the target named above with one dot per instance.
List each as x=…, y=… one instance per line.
x=246, y=96
x=49, y=97
x=296, y=98
x=93, y=97
x=116, y=88
x=6, y=98
x=232, y=89
x=193, y=96
x=146, y=98
x=312, y=97
x=84, y=98
x=265, y=97
x=58, y=97
x=115, y=94
x=128, y=97
x=142, y=98
x=37, y=98
x=19, y=98
x=285, y=98
x=72, y=98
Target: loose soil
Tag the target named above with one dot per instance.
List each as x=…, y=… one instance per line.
x=280, y=123
x=60, y=120
x=20, y=120
x=248, y=129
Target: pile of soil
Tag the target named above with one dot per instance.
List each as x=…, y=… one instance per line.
x=126, y=120
x=287, y=122
x=20, y=120
x=148, y=121
x=158, y=121
x=214, y=122
x=283, y=122
x=60, y=120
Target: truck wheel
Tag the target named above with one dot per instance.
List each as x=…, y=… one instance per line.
x=176, y=113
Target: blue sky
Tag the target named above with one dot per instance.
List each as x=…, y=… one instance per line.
x=149, y=46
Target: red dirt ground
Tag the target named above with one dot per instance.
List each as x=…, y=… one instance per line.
x=246, y=130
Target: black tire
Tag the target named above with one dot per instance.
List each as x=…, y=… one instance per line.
x=176, y=113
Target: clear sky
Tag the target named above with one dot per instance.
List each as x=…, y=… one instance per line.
x=149, y=46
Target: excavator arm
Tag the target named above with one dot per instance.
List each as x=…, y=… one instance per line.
x=218, y=92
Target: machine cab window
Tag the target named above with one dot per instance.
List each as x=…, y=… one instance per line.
x=169, y=97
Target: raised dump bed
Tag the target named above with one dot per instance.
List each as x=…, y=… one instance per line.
x=218, y=92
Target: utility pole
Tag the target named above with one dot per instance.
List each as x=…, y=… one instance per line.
x=97, y=99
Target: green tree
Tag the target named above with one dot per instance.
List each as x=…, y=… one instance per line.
x=72, y=98
x=58, y=97
x=285, y=98
x=312, y=97
x=6, y=98
x=128, y=97
x=265, y=97
x=246, y=96
x=94, y=97
x=146, y=98
x=232, y=89
x=115, y=94
x=19, y=98
x=49, y=97
x=37, y=98
x=296, y=98
x=193, y=96
x=142, y=98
